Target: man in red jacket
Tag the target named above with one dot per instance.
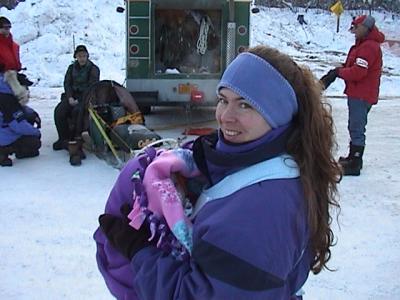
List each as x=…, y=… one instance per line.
x=361, y=74
x=9, y=50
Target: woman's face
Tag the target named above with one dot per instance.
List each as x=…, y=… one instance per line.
x=238, y=121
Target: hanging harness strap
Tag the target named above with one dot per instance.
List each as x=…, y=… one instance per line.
x=280, y=167
x=203, y=35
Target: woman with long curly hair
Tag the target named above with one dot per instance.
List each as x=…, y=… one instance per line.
x=261, y=221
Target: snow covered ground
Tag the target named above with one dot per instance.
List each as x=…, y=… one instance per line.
x=50, y=209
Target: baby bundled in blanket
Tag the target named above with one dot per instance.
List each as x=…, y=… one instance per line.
x=165, y=202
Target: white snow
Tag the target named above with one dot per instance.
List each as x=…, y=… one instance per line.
x=50, y=209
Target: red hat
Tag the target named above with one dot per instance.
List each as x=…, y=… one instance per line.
x=367, y=21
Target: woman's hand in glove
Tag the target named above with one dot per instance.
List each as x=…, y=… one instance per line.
x=123, y=237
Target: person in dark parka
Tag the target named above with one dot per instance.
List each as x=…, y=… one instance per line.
x=68, y=113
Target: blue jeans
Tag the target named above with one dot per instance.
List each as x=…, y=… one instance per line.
x=358, y=117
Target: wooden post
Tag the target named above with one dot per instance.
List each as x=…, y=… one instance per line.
x=337, y=24
x=337, y=9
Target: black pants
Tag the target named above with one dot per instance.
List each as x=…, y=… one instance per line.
x=25, y=146
x=67, y=118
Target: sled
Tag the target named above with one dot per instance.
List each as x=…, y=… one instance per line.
x=114, y=123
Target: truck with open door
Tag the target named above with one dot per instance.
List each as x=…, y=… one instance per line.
x=177, y=50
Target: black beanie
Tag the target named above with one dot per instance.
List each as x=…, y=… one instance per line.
x=4, y=21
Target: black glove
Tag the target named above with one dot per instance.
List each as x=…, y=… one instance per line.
x=123, y=237
x=328, y=78
x=37, y=121
x=23, y=80
x=33, y=118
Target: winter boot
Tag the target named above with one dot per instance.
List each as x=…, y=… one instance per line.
x=77, y=150
x=81, y=152
x=74, y=149
x=60, y=145
x=353, y=165
x=26, y=154
x=5, y=161
x=345, y=159
x=80, y=142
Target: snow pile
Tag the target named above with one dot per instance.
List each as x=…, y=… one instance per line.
x=47, y=31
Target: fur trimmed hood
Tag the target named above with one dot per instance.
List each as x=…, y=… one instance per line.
x=19, y=90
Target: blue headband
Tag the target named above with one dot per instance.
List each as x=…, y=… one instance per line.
x=262, y=86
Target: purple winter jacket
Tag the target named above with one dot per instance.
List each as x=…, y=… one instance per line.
x=114, y=267
x=252, y=244
x=13, y=120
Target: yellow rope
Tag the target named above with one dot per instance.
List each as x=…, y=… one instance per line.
x=135, y=118
x=96, y=118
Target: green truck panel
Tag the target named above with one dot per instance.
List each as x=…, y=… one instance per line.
x=139, y=8
x=164, y=35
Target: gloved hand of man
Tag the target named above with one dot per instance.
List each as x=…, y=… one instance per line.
x=329, y=77
x=123, y=237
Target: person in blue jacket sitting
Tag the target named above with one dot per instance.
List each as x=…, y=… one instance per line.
x=19, y=125
x=262, y=221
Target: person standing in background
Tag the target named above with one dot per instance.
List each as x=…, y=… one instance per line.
x=361, y=74
x=9, y=50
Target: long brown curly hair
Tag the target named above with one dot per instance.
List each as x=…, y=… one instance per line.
x=311, y=145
